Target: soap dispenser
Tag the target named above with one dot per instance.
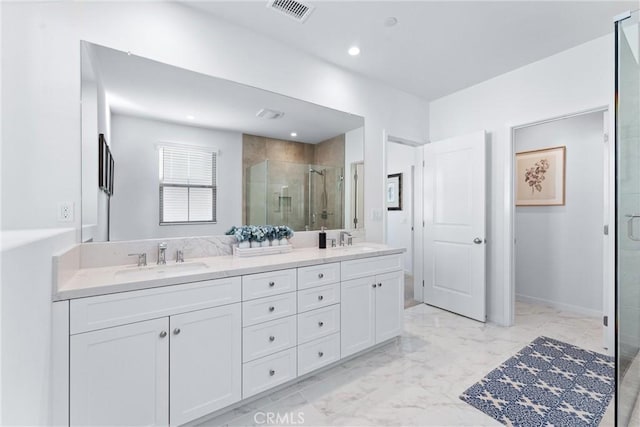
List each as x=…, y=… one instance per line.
x=322, y=239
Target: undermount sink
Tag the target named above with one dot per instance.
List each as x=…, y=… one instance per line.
x=161, y=270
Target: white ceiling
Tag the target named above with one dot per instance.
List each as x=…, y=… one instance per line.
x=437, y=47
x=145, y=88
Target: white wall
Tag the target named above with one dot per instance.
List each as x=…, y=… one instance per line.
x=44, y=113
x=26, y=323
x=400, y=158
x=559, y=248
x=574, y=80
x=135, y=202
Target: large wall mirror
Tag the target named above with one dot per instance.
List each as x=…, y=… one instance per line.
x=168, y=152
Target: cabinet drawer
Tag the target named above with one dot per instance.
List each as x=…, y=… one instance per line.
x=318, y=275
x=271, y=308
x=318, y=323
x=267, y=338
x=322, y=296
x=268, y=372
x=268, y=284
x=354, y=269
x=318, y=353
x=92, y=313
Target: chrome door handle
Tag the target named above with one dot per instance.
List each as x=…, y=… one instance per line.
x=176, y=331
x=630, y=227
x=163, y=334
x=477, y=240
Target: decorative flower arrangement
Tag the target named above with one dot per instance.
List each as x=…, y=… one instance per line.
x=260, y=235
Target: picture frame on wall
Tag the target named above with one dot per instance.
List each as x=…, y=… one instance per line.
x=540, y=177
x=111, y=173
x=394, y=192
x=102, y=162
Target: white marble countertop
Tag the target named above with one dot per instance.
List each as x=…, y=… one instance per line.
x=107, y=280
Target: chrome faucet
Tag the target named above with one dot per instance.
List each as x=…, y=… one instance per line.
x=142, y=259
x=162, y=250
x=349, y=241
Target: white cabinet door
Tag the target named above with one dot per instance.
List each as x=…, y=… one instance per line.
x=357, y=312
x=389, y=305
x=206, y=361
x=118, y=376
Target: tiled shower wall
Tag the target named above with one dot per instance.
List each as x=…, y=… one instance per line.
x=257, y=149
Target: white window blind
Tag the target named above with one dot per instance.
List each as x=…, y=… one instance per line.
x=187, y=185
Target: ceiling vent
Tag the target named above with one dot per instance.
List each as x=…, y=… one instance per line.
x=266, y=113
x=291, y=8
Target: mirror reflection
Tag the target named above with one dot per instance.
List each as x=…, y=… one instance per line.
x=193, y=155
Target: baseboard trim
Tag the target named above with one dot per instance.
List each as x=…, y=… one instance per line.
x=560, y=306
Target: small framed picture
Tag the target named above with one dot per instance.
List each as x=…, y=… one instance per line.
x=102, y=162
x=394, y=192
x=112, y=165
x=540, y=177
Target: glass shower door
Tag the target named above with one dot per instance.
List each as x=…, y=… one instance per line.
x=628, y=221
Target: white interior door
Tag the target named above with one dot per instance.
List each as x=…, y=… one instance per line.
x=454, y=209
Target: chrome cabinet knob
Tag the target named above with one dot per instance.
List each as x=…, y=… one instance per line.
x=374, y=285
x=163, y=334
x=272, y=284
x=320, y=324
x=320, y=354
x=272, y=372
x=477, y=240
x=320, y=297
x=320, y=275
x=272, y=309
x=379, y=285
x=176, y=331
x=272, y=338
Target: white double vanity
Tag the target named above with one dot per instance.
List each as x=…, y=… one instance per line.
x=160, y=346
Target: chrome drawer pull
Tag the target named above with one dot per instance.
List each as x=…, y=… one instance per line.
x=320, y=297
x=320, y=354
x=272, y=284
x=272, y=338
x=272, y=372
x=320, y=275
x=320, y=324
x=163, y=334
x=272, y=309
x=374, y=285
x=176, y=331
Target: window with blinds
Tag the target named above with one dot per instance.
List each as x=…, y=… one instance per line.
x=187, y=185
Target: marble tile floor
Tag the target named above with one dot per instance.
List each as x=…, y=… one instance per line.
x=416, y=379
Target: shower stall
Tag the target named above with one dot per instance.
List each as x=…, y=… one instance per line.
x=302, y=196
x=627, y=219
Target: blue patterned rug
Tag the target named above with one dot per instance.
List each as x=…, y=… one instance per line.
x=548, y=382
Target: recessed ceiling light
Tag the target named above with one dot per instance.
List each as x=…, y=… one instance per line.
x=390, y=21
x=190, y=117
x=354, y=51
x=293, y=134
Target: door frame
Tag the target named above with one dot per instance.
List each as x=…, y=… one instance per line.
x=608, y=249
x=417, y=214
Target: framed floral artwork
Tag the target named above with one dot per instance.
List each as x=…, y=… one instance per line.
x=540, y=177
